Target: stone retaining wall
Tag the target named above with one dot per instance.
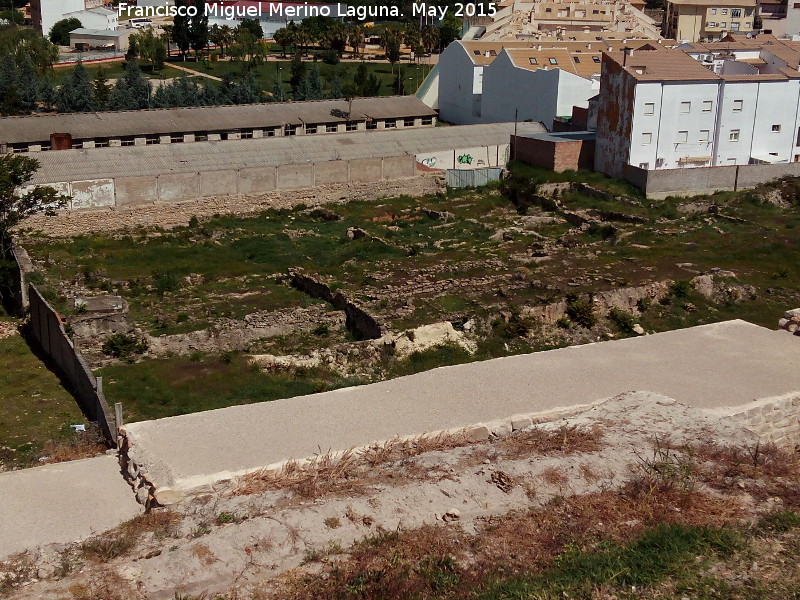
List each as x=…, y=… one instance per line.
x=359, y=321
x=775, y=419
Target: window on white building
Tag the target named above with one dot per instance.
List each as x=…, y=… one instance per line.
x=737, y=105
x=704, y=133
x=707, y=105
x=647, y=139
x=723, y=25
x=776, y=129
x=736, y=13
x=644, y=166
x=734, y=26
x=724, y=11
x=731, y=161
x=649, y=108
x=711, y=24
x=686, y=107
x=734, y=135
x=683, y=137
x=713, y=11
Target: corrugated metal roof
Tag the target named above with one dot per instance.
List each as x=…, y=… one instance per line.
x=37, y=128
x=100, y=163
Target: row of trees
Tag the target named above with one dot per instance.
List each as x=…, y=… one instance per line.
x=79, y=92
x=329, y=34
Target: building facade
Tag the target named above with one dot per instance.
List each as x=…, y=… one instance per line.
x=96, y=18
x=705, y=20
x=663, y=109
x=486, y=82
x=46, y=13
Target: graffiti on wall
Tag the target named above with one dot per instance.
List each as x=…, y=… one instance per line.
x=429, y=162
x=465, y=159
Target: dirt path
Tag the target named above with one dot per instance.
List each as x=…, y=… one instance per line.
x=193, y=72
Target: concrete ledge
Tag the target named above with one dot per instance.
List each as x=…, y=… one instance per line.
x=63, y=503
x=706, y=367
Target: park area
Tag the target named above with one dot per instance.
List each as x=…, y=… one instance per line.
x=217, y=315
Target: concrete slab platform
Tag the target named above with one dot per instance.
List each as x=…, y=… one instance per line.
x=62, y=503
x=711, y=366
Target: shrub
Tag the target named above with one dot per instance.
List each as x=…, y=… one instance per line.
x=322, y=330
x=681, y=288
x=330, y=57
x=581, y=311
x=164, y=283
x=124, y=345
x=622, y=319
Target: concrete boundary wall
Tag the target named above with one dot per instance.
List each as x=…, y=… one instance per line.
x=48, y=331
x=158, y=214
x=15, y=293
x=129, y=192
x=659, y=184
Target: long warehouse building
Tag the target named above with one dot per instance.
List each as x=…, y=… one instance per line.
x=43, y=132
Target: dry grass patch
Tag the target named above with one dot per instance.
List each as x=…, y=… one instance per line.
x=445, y=562
x=85, y=444
x=569, y=439
x=762, y=470
x=162, y=523
x=349, y=472
x=355, y=471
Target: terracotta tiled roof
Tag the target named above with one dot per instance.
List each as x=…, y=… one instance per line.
x=662, y=64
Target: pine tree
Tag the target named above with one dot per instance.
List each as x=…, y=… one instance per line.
x=8, y=77
x=11, y=102
x=47, y=93
x=27, y=84
x=101, y=90
x=75, y=94
x=134, y=89
x=336, y=88
x=298, y=70
x=198, y=32
x=211, y=95
x=181, y=34
x=278, y=93
x=314, y=84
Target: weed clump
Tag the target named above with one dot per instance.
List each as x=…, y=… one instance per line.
x=621, y=319
x=581, y=311
x=124, y=346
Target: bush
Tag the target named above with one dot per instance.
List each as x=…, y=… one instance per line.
x=330, y=57
x=680, y=289
x=581, y=311
x=124, y=345
x=623, y=320
x=59, y=33
x=164, y=283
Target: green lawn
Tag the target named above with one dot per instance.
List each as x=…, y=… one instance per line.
x=113, y=70
x=265, y=75
x=156, y=388
x=34, y=407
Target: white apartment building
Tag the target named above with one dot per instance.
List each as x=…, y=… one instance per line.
x=46, y=13
x=663, y=109
x=487, y=82
x=547, y=83
x=96, y=18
